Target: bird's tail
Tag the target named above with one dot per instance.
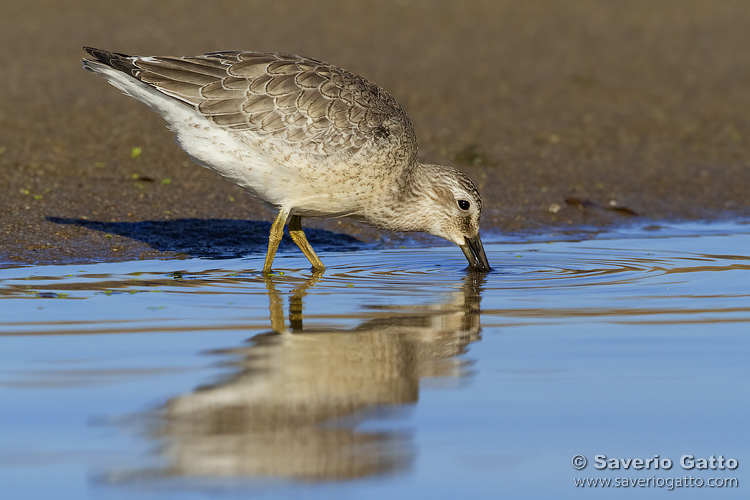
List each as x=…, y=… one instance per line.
x=116, y=60
x=120, y=71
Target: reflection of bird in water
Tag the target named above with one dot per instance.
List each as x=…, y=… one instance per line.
x=291, y=407
x=311, y=139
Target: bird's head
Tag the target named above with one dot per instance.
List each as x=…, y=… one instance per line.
x=455, y=208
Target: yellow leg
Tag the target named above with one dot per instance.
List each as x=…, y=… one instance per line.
x=277, y=232
x=295, y=231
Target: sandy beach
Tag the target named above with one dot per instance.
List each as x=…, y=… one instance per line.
x=566, y=114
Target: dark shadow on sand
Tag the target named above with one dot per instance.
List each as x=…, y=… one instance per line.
x=211, y=238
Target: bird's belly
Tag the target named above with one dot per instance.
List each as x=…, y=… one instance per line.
x=314, y=187
x=308, y=185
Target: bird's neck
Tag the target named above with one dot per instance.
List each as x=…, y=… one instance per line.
x=408, y=197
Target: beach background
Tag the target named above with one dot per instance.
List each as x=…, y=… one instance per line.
x=568, y=115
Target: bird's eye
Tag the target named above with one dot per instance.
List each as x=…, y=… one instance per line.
x=463, y=204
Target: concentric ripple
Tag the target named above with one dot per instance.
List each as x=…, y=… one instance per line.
x=682, y=277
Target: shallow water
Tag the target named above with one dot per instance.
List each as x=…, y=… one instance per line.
x=396, y=373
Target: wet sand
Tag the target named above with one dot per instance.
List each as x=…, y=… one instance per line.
x=565, y=113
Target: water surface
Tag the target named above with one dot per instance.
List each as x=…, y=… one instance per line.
x=396, y=373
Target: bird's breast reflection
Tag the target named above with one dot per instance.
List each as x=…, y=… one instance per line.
x=292, y=407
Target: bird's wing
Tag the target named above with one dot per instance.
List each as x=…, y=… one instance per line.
x=319, y=107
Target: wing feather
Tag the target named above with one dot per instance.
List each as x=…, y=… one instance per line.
x=315, y=106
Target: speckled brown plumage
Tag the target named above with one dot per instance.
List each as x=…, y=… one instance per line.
x=319, y=107
x=304, y=136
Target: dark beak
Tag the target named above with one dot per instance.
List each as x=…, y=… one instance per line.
x=474, y=252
